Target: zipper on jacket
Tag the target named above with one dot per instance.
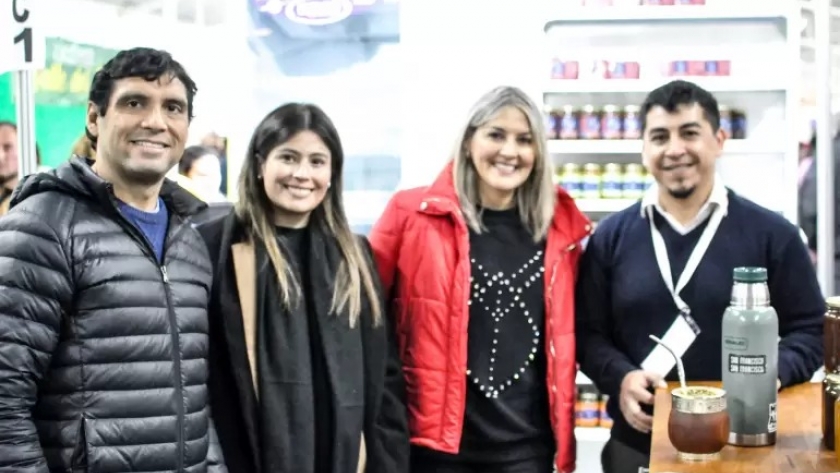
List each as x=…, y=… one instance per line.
x=135, y=233
x=176, y=359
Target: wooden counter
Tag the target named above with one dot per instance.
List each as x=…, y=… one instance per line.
x=798, y=443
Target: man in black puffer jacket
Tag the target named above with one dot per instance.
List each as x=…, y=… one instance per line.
x=104, y=286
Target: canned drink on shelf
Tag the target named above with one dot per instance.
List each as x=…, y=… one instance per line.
x=612, y=181
x=711, y=68
x=604, y=419
x=678, y=68
x=552, y=124
x=588, y=410
x=696, y=68
x=589, y=123
x=564, y=69
x=631, y=128
x=591, y=181
x=623, y=70
x=569, y=123
x=739, y=125
x=633, y=181
x=611, y=123
x=571, y=180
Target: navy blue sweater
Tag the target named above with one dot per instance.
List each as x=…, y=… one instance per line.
x=621, y=297
x=153, y=225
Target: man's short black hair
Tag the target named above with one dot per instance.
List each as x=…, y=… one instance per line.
x=678, y=93
x=147, y=63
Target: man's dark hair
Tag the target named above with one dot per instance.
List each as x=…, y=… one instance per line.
x=150, y=64
x=678, y=93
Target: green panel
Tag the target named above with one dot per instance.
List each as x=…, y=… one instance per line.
x=60, y=96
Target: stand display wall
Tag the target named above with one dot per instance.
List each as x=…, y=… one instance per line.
x=600, y=63
x=619, y=56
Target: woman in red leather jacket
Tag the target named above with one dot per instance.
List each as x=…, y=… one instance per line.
x=480, y=269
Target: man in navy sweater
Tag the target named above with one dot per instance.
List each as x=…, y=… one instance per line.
x=673, y=253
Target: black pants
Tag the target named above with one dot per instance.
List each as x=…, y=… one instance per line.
x=617, y=457
x=423, y=464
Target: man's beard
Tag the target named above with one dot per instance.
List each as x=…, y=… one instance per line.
x=682, y=193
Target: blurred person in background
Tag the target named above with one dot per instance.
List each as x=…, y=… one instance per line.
x=219, y=143
x=664, y=266
x=9, y=163
x=201, y=165
x=808, y=204
x=305, y=376
x=480, y=268
x=83, y=148
x=102, y=274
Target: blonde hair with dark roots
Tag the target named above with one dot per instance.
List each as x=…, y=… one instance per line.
x=255, y=210
x=536, y=197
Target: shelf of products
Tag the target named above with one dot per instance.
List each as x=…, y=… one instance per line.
x=620, y=122
x=634, y=147
x=603, y=57
x=608, y=181
x=643, y=86
x=592, y=422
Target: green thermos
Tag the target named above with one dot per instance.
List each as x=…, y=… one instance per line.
x=750, y=348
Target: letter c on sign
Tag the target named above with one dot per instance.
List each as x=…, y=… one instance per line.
x=19, y=17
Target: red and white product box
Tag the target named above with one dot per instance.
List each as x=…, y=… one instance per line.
x=623, y=70
x=711, y=68
x=564, y=69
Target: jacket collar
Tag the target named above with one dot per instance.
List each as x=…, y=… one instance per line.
x=76, y=178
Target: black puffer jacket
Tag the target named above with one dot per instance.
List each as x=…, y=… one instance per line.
x=102, y=349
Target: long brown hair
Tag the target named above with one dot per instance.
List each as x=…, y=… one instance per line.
x=255, y=210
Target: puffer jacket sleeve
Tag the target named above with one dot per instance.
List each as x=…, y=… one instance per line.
x=385, y=238
x=35, y=289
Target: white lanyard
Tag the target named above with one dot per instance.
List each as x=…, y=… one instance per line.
x=697, y=254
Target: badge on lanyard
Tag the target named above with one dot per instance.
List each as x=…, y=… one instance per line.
x=684, y=331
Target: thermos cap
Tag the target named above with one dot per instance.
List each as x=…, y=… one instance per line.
x=750, y=274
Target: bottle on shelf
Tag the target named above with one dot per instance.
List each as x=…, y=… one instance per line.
x=612, y=181
x=634, y=181
x=831, y=336
x=750, y=352
x=830, y=397
x=591, y=181
x=631, y=125
x=587, y=408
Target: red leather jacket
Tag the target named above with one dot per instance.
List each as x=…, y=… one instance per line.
x=421, y=244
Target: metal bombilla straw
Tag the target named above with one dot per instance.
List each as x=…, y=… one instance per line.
x=680, y=369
